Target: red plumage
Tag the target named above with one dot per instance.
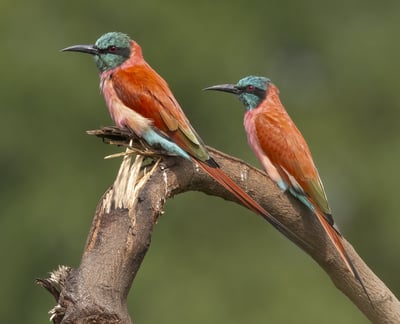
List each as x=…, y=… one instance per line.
x=139, y=99
x=284, y=154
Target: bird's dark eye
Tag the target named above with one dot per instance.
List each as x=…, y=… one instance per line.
x=250, y=88
x=112, y=48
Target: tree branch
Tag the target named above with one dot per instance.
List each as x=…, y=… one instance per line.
x=120, y=235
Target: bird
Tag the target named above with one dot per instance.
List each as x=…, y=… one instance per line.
x=284, y=154
x=139, y=99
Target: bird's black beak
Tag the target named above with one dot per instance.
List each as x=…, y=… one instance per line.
x=231, y=88
x=89, y=49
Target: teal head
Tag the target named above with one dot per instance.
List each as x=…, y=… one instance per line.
x=109, y=51
x=250, y=90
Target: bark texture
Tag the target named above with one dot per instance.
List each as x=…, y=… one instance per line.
x=96, y=291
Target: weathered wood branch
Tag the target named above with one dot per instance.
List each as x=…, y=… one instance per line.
x=96, y=292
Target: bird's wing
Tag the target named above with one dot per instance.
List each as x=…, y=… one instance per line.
x=287, y=150
x=140, y=88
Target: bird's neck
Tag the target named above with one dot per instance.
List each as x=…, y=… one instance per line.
x=272, y=96
x=135, y=59
x=270, y=101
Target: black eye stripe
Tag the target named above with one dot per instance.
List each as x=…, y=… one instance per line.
x=254, y=90
x=123, y=51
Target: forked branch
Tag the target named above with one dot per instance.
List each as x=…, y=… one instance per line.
x=96, y=292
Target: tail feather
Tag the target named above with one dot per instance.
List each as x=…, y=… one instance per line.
x=336, y=239
x=217, y=174
x=334, y=235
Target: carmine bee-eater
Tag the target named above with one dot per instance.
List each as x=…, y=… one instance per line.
x=283, y=152
x=139, y=99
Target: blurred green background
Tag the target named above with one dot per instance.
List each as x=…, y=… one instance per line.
x=337, y=66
